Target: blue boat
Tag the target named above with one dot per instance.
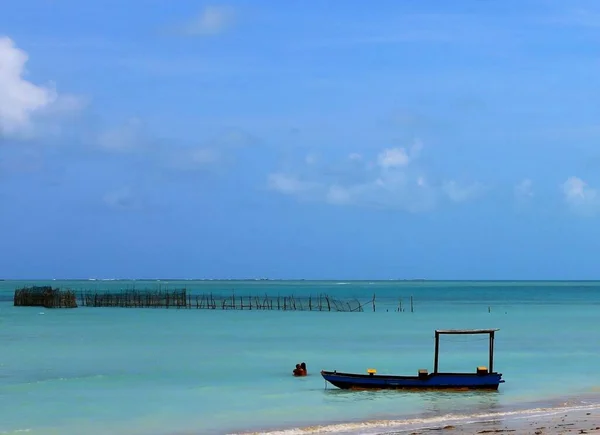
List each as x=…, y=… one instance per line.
x=481, y=379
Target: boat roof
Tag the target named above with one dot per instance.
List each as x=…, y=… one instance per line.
x=466, y=331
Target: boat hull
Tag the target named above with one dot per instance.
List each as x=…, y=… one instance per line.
x=432, y=381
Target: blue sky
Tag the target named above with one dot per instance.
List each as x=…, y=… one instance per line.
x=300, y=139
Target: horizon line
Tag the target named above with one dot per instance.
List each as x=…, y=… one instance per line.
x=303, y=279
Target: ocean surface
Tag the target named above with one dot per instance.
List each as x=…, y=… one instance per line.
x=163, y=371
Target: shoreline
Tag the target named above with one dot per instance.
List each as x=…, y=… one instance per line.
x=586, y=421
x=568, y=414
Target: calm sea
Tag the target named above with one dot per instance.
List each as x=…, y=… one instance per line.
x=166, y=371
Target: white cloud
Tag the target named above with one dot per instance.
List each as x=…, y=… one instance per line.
x=338, y=195
x=575, y=189
x=524, y=189
x=68, y=103
x=191, y=158
x=203, y=155
x=211, y=21
x=289, y=184
x=392, y=158
x=460, y=192
x=580, y=197
x=134, y=137
x=399, y=156
x=126, y=137
x=310, y=159
x=19, y=98
x=390, y=180
x=28, y=110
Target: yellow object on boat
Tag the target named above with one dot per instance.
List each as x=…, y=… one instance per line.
x=371, y=371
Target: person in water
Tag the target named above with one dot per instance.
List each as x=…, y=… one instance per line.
x=303, y=367
x=299, y=370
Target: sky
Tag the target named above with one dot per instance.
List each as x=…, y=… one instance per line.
x=300, y=139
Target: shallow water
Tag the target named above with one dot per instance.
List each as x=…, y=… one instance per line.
x=159, y=371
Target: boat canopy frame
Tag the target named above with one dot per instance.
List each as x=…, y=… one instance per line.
x=490, y=332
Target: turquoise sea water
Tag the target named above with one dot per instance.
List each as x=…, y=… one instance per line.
x=167, y=371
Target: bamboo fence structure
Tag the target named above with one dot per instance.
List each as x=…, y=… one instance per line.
x=136, y=299
x=321, y=302
x=209, y=301
x=45, y=296
x=49, y=297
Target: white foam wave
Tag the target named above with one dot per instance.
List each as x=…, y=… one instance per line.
x=57, y=379
x=376, y=426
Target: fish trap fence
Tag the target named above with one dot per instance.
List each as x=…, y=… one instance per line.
x=283, y=303
x=44, y=296
x=182, y=298
x=210, y=301
x=136, y=299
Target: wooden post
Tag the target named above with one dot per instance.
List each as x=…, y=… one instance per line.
x=492, y=352
x=411, y=305
x=359, y=305
x=437, y=352
x=373, y=302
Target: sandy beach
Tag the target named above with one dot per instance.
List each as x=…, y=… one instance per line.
x=576, y=422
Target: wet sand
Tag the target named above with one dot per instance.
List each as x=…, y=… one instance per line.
x=571, y=422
